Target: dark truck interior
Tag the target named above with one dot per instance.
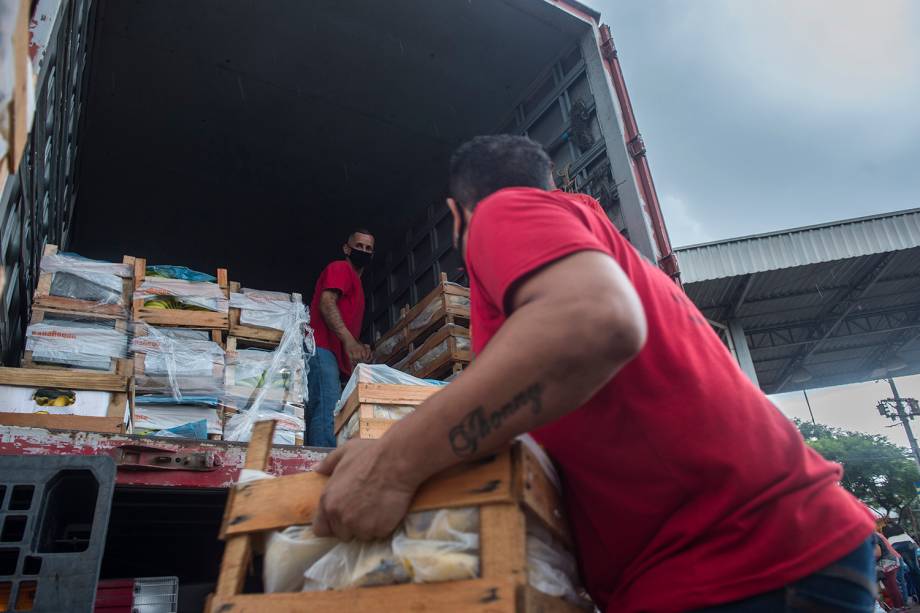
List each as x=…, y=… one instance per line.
x=255, y=135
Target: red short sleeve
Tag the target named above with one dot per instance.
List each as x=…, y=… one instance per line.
x=336, y=276
x=517, y=231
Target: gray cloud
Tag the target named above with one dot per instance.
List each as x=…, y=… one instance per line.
x=760, y=116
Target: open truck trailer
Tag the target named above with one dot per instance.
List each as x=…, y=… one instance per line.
x=255, y=136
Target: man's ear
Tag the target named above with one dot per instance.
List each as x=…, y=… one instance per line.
x=456, y=212
x=346, y=249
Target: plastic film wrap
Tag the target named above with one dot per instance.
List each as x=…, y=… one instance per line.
x=385, y=348
x=377, y=373
x=293, y=352
x=178, y=364
x=74, y=276
x=264, y=309
x=153, y=419
x=77, y=343
x=177, y=287
x=247, y=371
x=390, y=412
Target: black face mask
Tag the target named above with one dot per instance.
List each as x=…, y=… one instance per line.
x=360, y=259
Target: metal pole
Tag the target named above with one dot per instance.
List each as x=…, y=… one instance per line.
x=904, y=420
x=808, y=402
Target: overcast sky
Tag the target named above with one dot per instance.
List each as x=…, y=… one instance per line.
x=761, y=115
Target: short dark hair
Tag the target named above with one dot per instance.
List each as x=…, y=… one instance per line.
x=486, y=164
x=358, y=230
x=892, y=530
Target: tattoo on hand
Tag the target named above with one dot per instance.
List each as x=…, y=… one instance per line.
x=466, y=436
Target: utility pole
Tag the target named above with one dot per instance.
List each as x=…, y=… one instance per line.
x=901, y=414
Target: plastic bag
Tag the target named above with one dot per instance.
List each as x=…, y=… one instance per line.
x=385, y=348
x=440, y=545
x=356, y=564
x=155, y=417
x=264, y=309
x=550, y=568
x=75, y=342
x=289, y=424
x=377, y=373
x=74, y=276
x=178, y=363
x=425, y=317
x=194, y=429
x=247, y=371
x=288, y=555
x=166, y=271
x=424, y=361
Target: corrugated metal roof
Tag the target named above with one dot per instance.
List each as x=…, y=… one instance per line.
x=800, y=246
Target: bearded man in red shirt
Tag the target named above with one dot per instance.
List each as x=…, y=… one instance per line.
x=686, y=489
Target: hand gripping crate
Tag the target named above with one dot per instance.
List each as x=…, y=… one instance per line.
x=370, y=400
x=106, y=393
x=44, y=297
x=510, y=489
x=180, y=317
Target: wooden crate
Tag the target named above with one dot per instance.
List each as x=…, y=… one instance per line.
x=179, y=317
x=232, y=389
x=123, y=366
x=119, y=385
x=367, y=395
x=43, y=298
x=436, y=310
x=253, y=333
x=394, y=345
x=140, y=357
x=432, y=361
x=510, y=489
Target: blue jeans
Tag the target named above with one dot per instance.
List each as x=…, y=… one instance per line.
x=323, y=391
x=847, y=586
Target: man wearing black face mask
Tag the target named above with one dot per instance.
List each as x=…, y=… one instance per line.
x=338, y=309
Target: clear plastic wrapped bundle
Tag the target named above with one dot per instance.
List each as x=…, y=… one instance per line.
x=188, y=421
x=377, y=373
x=381, y=411
x=178, y=287
x=427, y=315
x=177, y=364
x=287, y=364
x=74, y=276
x=264, y=309
x=246, y=374
x=80, y=343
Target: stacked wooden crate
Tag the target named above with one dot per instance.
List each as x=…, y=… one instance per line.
x=432, y=339
x=510, y=492
x=75, y=371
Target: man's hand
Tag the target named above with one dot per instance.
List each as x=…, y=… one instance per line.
x=357, y=352
x=367, y=494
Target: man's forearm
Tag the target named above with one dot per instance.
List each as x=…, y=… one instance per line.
x=541, y=365
x=333, y=318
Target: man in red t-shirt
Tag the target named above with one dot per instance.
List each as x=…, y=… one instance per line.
x=685, y=487
x=337, y=310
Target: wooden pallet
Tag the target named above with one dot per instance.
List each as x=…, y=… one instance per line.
x=367, y=395
x=179, y=317
x=510, y=489
x=425, y=364
x=117, y=384
x=253, y=333
x=43, y=298
x=123, y=366
x=443, y=299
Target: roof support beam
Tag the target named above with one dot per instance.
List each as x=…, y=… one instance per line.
x=838, y=311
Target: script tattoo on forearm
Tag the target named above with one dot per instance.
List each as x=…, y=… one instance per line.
x=477, y=425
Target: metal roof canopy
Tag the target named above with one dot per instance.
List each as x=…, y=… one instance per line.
x=817, y=306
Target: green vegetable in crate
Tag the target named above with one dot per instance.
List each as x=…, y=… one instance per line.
x=46, y=397
x=170, y=302
x=281, y=381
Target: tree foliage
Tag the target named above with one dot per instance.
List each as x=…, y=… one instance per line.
x=875, y=470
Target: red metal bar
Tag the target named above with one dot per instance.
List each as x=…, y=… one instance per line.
x=636, y=148
x=228, y=458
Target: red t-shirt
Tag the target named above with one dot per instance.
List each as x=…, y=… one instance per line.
x=685, y=486
x=339, y=275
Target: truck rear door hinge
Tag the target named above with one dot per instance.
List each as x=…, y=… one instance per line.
x=142, y=457
x=636, y=146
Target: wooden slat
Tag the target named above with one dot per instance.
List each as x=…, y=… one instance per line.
x=182, y=318
x=539, y=494
x=374, y=427
x=473, y=596
x=69, y=379
x=290, y=500
x=503, y=542
x=534, y=601
x=383, y=393
x=113, y=425
x=238, y=549
x=21, y=73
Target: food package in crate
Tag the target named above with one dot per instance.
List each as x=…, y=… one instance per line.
x=68, y=340
x=79, y=278
x=378, y=373
x=425, y=317
x=178, y=287
x=176, y=420
x=287, y=366
x=246, y=374
x=177, y=366
x=264, y=309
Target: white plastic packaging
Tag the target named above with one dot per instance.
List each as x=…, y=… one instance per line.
x=77, y=277
x=391, y=412
x=376, y=373
x=425, y=317
x=200, y=294
x=264, y=309
x=76, y=342
x=150, y=418
x=440, y=545
x=356, y=564
x=178, y=363
x=288, y=555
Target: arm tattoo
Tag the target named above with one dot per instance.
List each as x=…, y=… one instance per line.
x=477, y=425
x=330, y=312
